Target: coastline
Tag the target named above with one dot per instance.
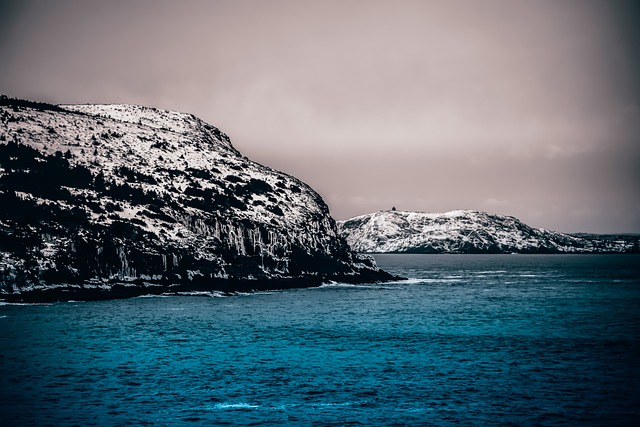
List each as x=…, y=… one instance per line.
x=124, y=290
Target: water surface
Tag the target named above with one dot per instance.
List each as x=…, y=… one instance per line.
x=475, y=339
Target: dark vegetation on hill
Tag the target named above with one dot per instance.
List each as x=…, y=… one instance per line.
x=117, y=201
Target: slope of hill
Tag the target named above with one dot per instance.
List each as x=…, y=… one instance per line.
x=102, y=201
x=466, y=231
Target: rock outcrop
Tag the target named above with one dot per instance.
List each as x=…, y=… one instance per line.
x=104, y=201
x=467, y=231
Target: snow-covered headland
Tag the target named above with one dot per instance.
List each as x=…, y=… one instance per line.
x=104, y=201
x=467, y=231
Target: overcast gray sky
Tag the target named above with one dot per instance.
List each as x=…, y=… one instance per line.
x=528, y=108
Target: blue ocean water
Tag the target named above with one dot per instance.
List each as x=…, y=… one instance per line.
x=475, y=340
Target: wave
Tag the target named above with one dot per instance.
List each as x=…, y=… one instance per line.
x=491, y=272
x=397, y=284
x=212, y=294
x=243, y=406
x=409, y=281
x=232, y=406
x=25, y=303
x=153, y=296
x=441, y=280
x=357, y=286
x=253, y=293
x=331, y=405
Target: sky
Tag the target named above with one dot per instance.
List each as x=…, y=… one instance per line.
x=528, y=108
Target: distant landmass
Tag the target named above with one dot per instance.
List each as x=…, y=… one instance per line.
x=106, y=201
x=469, y=232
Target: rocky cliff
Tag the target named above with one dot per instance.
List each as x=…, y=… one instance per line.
x=103, y=201
x=467, y=231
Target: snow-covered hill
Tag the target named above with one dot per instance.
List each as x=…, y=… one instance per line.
x=466, y=231
x=98, y=201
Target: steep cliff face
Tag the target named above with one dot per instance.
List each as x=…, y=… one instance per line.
x=100, y=201
x=467, y=232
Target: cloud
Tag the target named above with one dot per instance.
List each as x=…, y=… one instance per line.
x=491, y=202
x=462, y=104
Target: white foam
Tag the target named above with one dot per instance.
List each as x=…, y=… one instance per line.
x=330, y=405
x=441, y=280
x=153, y=296
x=240, y=405
x=25, y=303
x=355, y=286
x=212, y=294
x=492, y=272
x=409, y=281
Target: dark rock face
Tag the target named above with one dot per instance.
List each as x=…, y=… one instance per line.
x=468, y=232
x=104, y=201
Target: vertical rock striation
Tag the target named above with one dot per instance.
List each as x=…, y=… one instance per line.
x=103, y=201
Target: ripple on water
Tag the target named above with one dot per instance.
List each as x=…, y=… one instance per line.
x=469, y=340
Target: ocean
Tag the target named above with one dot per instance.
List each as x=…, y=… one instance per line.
x=531, y=340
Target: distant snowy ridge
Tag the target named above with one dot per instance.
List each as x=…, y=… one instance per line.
x=117, y=200
x=467, y=231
